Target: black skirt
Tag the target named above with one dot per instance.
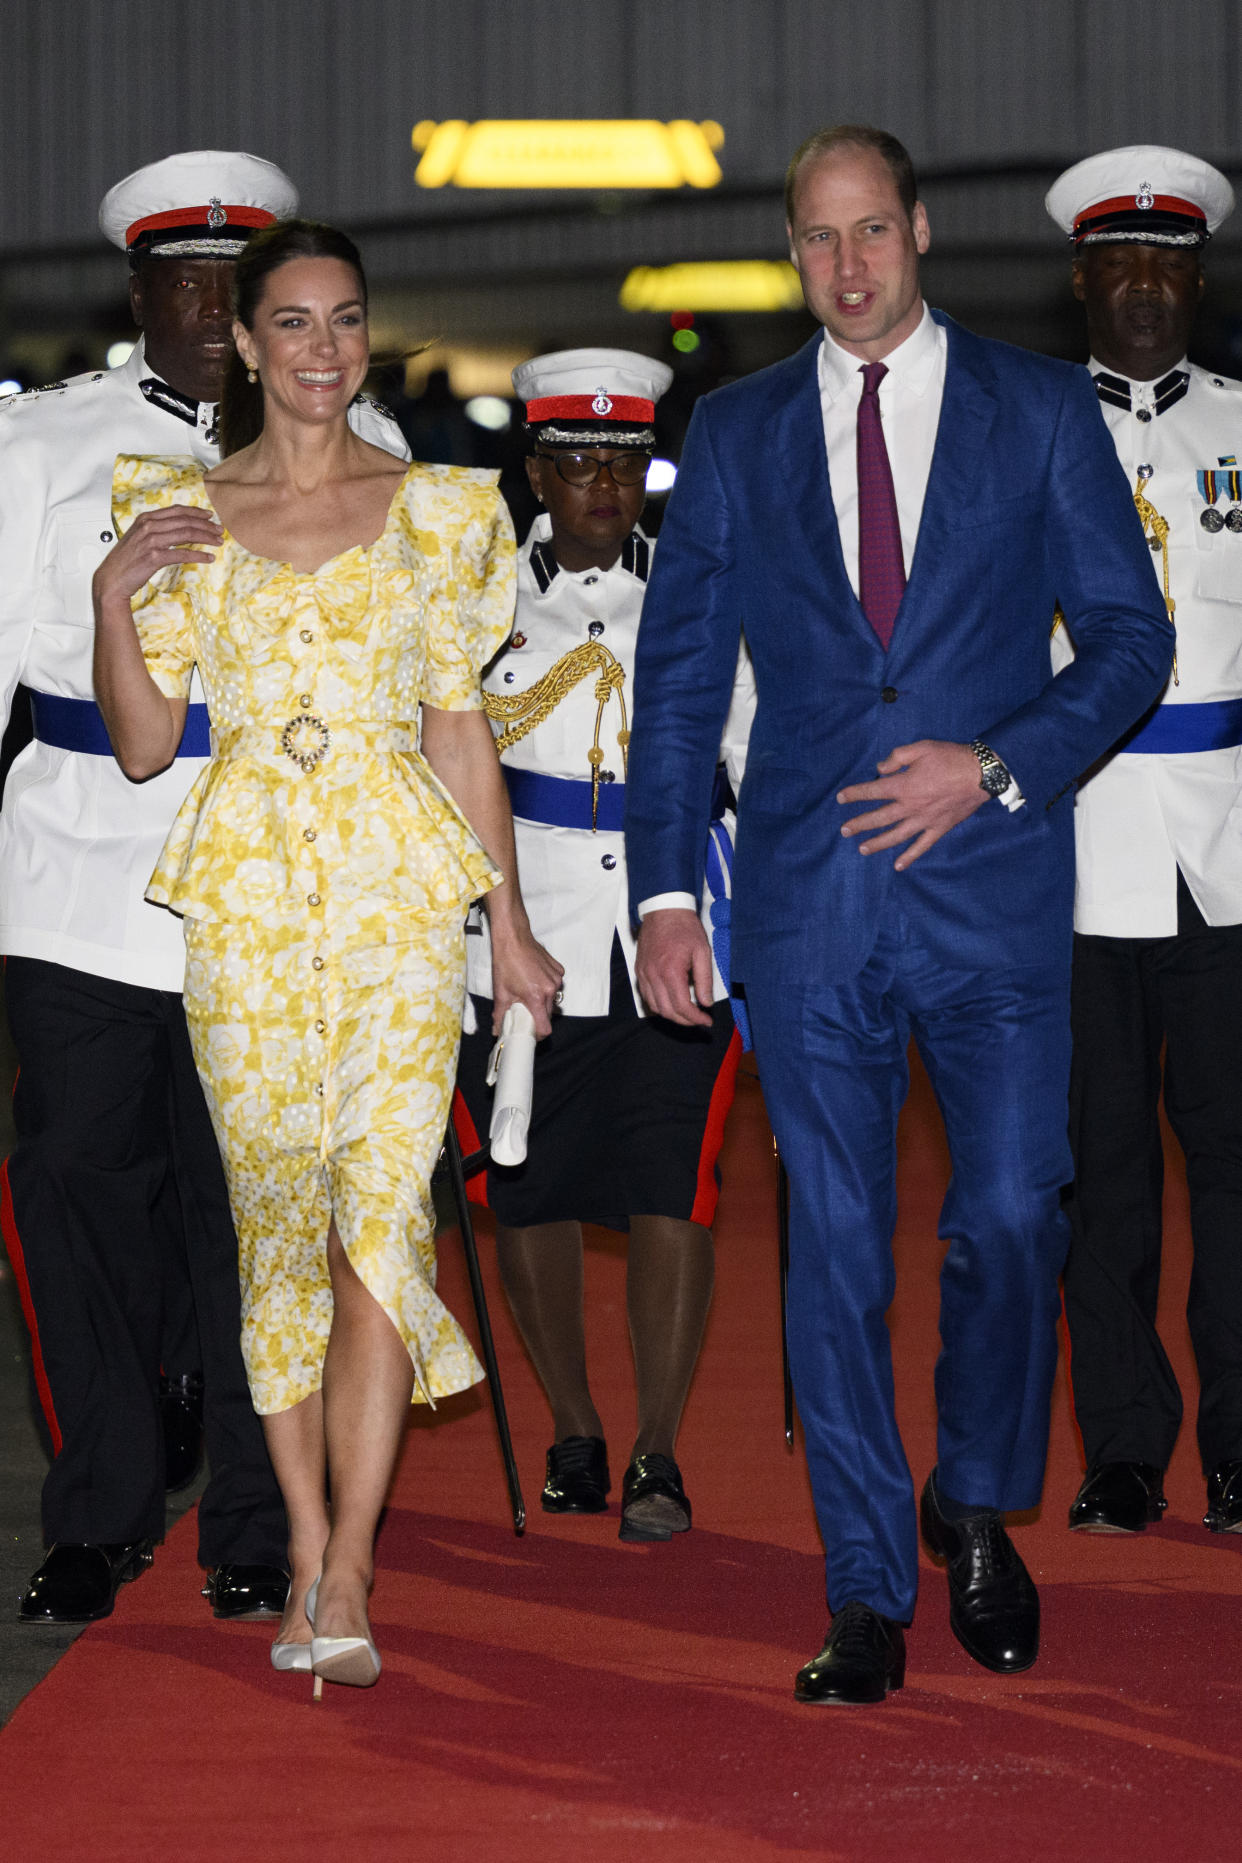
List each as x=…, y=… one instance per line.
x=627, y=1116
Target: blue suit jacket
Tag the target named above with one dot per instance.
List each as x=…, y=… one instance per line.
x=1026, y=507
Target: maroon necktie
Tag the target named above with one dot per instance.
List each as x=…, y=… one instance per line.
x=881, y=566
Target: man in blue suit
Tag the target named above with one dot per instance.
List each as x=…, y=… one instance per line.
x=892, y=516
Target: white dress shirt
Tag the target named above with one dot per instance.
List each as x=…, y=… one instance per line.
x=910, y=397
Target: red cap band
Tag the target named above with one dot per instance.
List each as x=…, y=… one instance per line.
x=1126, y=203
x=199, y=216
x=627, y=409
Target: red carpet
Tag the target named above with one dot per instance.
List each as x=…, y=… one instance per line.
x=564, y=1697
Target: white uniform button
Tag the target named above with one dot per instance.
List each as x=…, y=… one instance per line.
x=608, y=862
x=590, y=581
x=595, y=629
x=105, y=536
x=308, y=834
x=305, y=701
x=312, y=899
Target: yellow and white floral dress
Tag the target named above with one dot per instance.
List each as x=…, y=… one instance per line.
x=323, y=875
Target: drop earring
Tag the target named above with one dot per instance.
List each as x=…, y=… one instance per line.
x=251, y=376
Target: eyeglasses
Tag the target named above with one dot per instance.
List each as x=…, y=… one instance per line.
x=585, y=468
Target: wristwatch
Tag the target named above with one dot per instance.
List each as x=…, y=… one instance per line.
x=994, y=776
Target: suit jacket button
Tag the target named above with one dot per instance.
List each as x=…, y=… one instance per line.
x=889, y=694
x=608, y=862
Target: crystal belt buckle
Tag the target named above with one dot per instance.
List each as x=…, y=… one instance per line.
x=306, y=739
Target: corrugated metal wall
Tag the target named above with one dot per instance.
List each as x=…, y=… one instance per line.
x=331, y=88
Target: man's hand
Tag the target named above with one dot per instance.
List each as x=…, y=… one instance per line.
x=673, y=953
x=928, y=788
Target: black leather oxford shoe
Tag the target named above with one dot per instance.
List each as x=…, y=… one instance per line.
x=1118, y=1497
x=653, y=1500
x=181, y=1412
x=864, y=1657
x=77, y=1584
x=247, y=1590
x=993, y=1605
x=1224, y=1496
x=578, y=1479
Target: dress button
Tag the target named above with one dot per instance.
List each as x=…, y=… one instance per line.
x=889, y=694
x=595, y=629
x=509, y=678
x=312, y=899
x=306, y=635
x=320, y=1027
x=316, y=963
x=308, y=834
x=608, y=862
x=590, y=581
x=319, y=1089
x=306, y=701
x=1143, y=414
x=105, y=536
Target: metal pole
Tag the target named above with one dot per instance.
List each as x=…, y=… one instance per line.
x=457, y=1178
x=782, y=1227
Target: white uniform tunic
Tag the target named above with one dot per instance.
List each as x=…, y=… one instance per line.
x=573, y=880
x=1143, y=815
x=78, y=840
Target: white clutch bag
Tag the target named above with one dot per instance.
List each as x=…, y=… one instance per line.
x=510, y=1070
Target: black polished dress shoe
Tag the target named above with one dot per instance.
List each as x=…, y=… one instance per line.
x=247, y=1590
x=77, y=1584
x=1224, y=1496
x=1118, y=1497
x=653, y=1501
x=864, y=1656
x=181, y=1413
x=993, y=1605
x=578, y=1479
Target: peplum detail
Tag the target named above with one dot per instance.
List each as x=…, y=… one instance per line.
x=324, y=873
x=356, y=645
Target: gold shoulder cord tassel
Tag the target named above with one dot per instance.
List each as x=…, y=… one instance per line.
x=521, y=712
x=1157, y=529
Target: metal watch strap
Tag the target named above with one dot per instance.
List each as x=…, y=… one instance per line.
x=994, y=777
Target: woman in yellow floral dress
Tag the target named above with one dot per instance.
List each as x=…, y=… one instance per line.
x=339, y=607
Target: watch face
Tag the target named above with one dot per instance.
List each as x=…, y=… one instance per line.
x=994, y=777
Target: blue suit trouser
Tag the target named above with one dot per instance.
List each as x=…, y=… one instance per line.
x=832, y=1059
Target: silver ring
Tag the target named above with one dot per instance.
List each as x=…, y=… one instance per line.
x=560, y=996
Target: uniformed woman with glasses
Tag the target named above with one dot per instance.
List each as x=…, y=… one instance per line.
x=628, y=1111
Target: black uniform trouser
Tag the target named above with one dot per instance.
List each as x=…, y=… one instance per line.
x=1131, y=996
x=112, y=1135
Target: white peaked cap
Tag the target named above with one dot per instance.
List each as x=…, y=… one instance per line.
x=202, y=204
x=1143, y=193
x=602, y=387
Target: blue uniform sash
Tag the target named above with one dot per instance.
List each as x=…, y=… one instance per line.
x=1177, y=728
x=77, y=724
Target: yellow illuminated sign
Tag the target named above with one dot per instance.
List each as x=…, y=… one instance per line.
x=715, y=285
x=627, y=153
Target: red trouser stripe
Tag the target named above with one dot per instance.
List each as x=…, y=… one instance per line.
x=470, y=1142
x=12, y=1242
x=1067, y=1346
x=707, y=1190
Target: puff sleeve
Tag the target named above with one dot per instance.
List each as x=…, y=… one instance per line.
x=161, y=609
x=471, y=612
